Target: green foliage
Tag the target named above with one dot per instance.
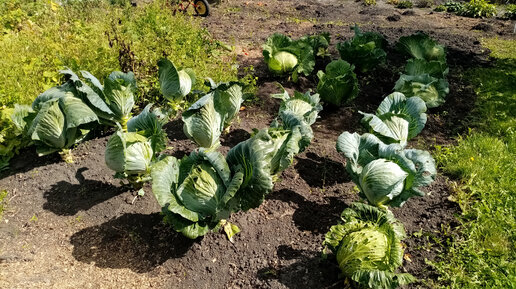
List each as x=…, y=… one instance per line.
x=404, y=5
x=367, y=246
x=440, y=8
x=478, y=9
x=370, y=2
x=338, y=84
x=430, y=89
x=286, y=56
x=510, y=12
x=482, y=254
x=3, y=202
x=11, y=132
x=364, y=50
x=100, y=38
x=421, y=46
x=454, y=7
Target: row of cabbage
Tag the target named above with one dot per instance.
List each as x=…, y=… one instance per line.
x=200, y=191
x=367, y=245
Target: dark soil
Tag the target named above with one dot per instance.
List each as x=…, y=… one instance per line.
x=75, y=226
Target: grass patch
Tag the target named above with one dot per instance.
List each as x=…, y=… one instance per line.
x=483, y=253
x=38, y=39
x=3, y=202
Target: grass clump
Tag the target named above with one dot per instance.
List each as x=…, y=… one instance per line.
x=478, y=9
x=404, y=5
x=483, y=253
x=3, y=202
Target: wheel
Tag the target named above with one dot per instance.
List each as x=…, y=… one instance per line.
x=202, y=8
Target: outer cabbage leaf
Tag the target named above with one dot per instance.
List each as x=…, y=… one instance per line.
x=227, y=98
x=202, y=123
x=368, y=247
x=365, y=50
x=359, y=150
x=434, y=68
x=421, y=46
x=319, y=43
x=431, y=90
x=150, y=124
x=253, y=158
x=397, y=119
x=196, y=192
x=339, y=84
x=175, y=83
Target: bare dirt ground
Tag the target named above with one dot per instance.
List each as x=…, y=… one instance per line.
x=75, y=226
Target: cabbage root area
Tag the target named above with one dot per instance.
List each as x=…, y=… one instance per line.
x=72, y=225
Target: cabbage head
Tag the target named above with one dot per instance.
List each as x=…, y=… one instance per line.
x=60, y=120
x=367, y=246
x=386, y=175
x=196, y=193
x=431, y=90
x=339, y=84
x=174, y=83
x=365, y=50
x=286, y=56
x=433, y=68
x=421, y=46
x=113, y=101
x=304, y=106
x=129, y=154
x=397, y=119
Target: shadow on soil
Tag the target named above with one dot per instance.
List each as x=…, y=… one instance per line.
x=234, y=137
x=66, y=199
x=320, y=172
x=312, y=216
x=174, y=130
x=295, y=274
x=134, y=241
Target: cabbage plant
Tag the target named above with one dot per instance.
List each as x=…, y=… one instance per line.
x=386, y=175
x=421, y=46
x=59, y=121
x=338, y=84
x=207, y=118
x=129, y=154
x=113, y=101
x=397, y=119
x=150, y=124
x=431, y=90
x=196, y=193
x=174, y=83
x=306, y=106
x=286, y=56
x=364, y=50
x=367, y=246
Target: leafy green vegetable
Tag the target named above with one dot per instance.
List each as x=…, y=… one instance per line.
x=129, y=154
x=385, y=174
x=430, y=89
x=305, y=106
x=61, y=120
x=12, y=130
x=205, y=120
x=365, y=50
x=339, y=84
x=284, y=55
x=196, y=192
x=397, y=119
x=175, y=83
x=112, y=102
x=421, y=46
x=367, y=246
x=150, y=125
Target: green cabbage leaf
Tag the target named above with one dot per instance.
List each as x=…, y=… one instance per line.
x=364, y=50
x=174, y=83
x=338, y=84
x=431, y=90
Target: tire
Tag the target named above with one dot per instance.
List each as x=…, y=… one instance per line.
x=202, y=8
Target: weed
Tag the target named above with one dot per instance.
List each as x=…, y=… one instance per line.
x=478, y=9
x=404, y=5
x=3, y=202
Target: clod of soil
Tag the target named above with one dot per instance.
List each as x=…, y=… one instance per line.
x=483, y=27
x=409, y=13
